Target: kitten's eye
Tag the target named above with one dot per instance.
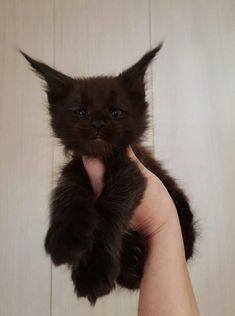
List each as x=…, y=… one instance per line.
x=80, y=112
x=116, y=113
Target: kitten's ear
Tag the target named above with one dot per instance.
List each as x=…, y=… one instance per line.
x=58, y=84
x=133, y=77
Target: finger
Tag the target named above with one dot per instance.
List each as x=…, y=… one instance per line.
x=95, y=170
x=132, y=155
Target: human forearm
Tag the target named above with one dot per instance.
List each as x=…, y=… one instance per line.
x=166, y=288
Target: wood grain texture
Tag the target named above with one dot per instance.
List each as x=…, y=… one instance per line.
x=25, y=161
x=195, y=133
x=99, y=37
x=192, y=97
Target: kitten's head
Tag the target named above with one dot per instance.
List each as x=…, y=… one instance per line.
x=96, y=115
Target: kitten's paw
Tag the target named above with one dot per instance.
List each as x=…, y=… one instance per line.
x=133, y=256
x=64, y=246
x=95, y=275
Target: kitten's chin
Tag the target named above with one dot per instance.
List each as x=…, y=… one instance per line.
x=98, y=148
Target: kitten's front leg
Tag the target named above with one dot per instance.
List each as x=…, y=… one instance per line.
x=96, y=274
x=73, y=218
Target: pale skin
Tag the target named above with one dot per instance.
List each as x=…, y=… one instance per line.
x=165, y=289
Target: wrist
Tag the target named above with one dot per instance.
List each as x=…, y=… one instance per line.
x=169, y=231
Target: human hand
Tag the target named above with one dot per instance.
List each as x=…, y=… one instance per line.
x=156, y=206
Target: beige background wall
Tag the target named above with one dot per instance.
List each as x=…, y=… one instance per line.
x=192, y=97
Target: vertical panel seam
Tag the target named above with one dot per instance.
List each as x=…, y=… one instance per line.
x=52, y=149
x=151, y=73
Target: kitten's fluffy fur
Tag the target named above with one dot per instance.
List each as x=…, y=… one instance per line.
x=100, y=117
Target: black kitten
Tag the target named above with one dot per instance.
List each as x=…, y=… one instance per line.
x=100, y=117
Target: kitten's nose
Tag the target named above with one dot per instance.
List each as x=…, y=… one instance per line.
x=97, y=124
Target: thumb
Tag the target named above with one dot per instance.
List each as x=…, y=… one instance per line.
x=95, y=170
x=133, y=157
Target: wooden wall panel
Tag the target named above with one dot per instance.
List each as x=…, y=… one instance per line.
x=193, y=93
x=25, y=160
x=92, y=38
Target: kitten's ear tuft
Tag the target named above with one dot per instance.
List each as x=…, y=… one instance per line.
x=58, y=84
x=134, y=76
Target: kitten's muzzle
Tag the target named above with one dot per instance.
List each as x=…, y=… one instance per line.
x=98, y=124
